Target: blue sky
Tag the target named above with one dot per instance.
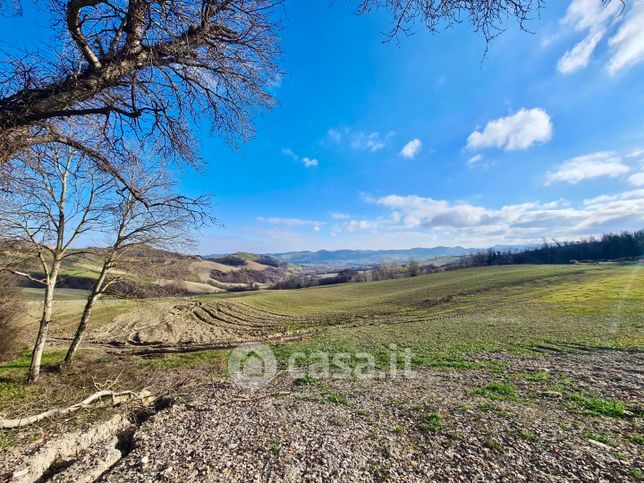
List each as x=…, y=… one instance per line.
x=423, y=142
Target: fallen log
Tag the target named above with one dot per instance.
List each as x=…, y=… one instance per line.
x=117, y=399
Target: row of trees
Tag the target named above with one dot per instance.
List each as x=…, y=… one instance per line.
x=611, y=246
x=382, y=271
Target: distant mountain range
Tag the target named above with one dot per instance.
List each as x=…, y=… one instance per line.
x=359, y=258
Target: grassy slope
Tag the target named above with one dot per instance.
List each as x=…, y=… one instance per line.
x=444, y=314
x=68, y=308
x=448, y=314
x=446, y=318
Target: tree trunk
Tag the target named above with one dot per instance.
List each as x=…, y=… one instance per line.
x=95, y=294
x=41, y=339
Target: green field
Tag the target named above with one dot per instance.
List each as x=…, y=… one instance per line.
x=463, y=312
x=441, y=317
x=447, y=319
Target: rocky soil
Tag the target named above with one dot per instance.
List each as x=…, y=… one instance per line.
x=553, y=418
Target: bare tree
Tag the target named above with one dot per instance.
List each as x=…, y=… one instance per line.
x=485, y=16
x=413, y=268
x=51, y=197
x=165, y=222
x=384, y=271
x=145, y=69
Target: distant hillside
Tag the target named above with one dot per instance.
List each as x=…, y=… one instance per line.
x=148, y=272
x=361, y=258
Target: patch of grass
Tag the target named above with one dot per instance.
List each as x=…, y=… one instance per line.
x=380, y=472
x=363, y=412
x=432, y=422
x=527, y=435
x=14, y=389
x=636, y=473
x=497, y=390
x=637, y=439
x=597, y=406
x=463, y=408
x=497, y=366
x=542, y=376
x=6, y=440
x=334, y=397
x=275, y=446
x=307, y=380
x=493, y=444
x=602, y=438
x=398, y=429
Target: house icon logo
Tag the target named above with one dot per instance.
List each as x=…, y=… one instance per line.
x=252, y=365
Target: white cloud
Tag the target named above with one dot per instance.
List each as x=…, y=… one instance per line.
x=579, y=56
x=590, y=14
x=289, y=152
x=636, y=153
x=593, y=16
x=627, y=45
x=367, y=142
x=334, y=135
x=274, y=220
x=581, y=168
x=340, y=216
x=523, y=222
x=306, y=161
x=358, y=140
x=637, y=179
x=597, y=18
x=474, y=159
x=516, y=132
x=411, y=149
x=355, y=225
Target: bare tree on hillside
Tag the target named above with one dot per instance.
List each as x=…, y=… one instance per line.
x=384, y=271
x=164, y=222
x=145, y=69
x=50, y=198
x=413, y=268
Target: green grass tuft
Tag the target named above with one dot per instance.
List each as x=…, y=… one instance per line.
x=432, y=422
x=602, y=438
x=6, y=440
x=497, y=390
x=306, y=380
x=334, y=397
x=600, y=407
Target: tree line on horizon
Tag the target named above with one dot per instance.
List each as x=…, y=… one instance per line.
x=610, y=246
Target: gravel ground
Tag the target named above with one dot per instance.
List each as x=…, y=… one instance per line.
x=433, y=426
x=437, y=426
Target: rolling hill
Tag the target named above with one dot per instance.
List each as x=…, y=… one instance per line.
x=154, y=272
x=363, y=258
